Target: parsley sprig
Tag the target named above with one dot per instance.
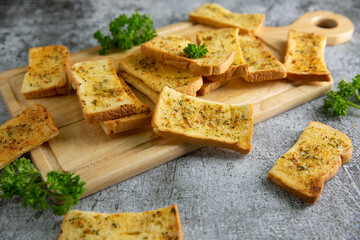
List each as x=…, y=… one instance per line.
x=126, y=32
x=339, y=101
x=195, y=51
x=22, y=179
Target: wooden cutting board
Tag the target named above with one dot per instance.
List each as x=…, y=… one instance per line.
x=103, y=160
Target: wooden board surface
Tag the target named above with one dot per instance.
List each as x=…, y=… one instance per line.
x=103, y=160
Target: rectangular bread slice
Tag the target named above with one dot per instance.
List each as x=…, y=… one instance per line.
x=227, y=38
x=26, y=131
x=198, y=121
x=304, y=58
x=155, y=75
x=315, y=158
x=214, y=15
x=48, y=72
x=263, y=66
x=160, y=224
x=141, y=117
x=169, y=49
x=209, y=86
x=100, y=92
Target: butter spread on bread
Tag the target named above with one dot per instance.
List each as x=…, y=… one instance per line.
x=263, y=65
x=141, y=117
x=160, y=224
x=155, y=75
x=169, y=49
x=316, y=157
x=214, y=15
x=304, y=58
x=48, y=72
x=100, y=92
x=227, y=38
x=25, y=132
x=198, y=121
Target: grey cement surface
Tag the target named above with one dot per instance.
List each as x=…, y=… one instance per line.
x=221, y=194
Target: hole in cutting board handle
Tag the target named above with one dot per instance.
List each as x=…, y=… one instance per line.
x=326, y=23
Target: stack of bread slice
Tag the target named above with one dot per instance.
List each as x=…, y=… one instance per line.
x=150, y=76
x=48, y=72
x=106, y=98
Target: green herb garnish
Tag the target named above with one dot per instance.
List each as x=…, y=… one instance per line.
x=195, y=51
x=339, y=100
x=126, y=32
x=22, y=179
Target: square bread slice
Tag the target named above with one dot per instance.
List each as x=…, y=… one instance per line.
x=141, y=117
x=100, y=92
x=214, y=15
x=26, y=131
x=263, y=66
x=315, y=158
x=169, y=49
x=202, y=122
x=151, y=76
x=160, y=224
x=227, y=38
x=304, y=58
x=48, y=72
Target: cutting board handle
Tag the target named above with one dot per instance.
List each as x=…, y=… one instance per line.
x=336, y=27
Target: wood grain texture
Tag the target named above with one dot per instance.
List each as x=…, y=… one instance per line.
x=103, y=160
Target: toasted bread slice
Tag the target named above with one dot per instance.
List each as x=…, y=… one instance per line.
x=214, y=15
x=140, y=85
x=209, y=86
x=100, y=92
x=227, y=38
x=198, y=121
x=315, y=158
x=155, y=75
x=169, y=49
x=141, y=118
x=48, y=72
x=304, y=58
x=263, y=65
x=25, y=132
x=161, y=224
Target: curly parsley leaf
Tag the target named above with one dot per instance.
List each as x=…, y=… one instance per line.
x=22, y=179
x=126, y=32
x=195, y=51
x=339, y=101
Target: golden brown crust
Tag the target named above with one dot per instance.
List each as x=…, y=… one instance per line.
x=149, y=49
x=166, y=125
x=25, y=132
x=304, y=57
x=233, y=72
x=163, y=224
x=126, y=123
x=263, y=66
x=141, y=117
x=149, y=76
x=209, y=86
x=315, y=158
x=110, y=114
x=99, y=91
x=44, y=76
x=216, y=22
